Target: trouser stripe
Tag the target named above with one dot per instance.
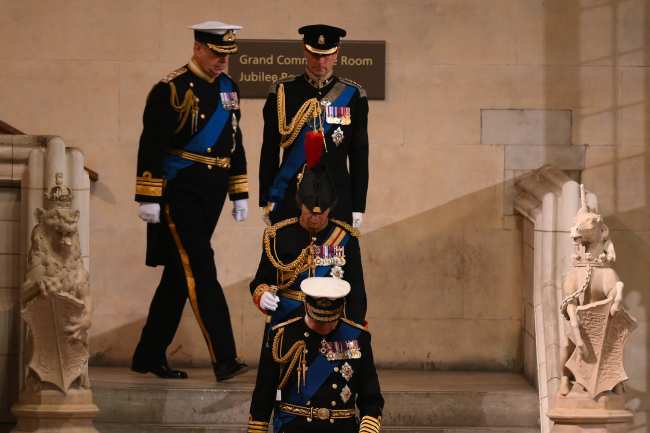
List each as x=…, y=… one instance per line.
x=191, y=282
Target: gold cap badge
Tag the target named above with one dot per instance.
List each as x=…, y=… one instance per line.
x=321, y=40
x=229, y=36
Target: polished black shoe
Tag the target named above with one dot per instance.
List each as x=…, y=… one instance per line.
x=163, y=371
x=229, y=370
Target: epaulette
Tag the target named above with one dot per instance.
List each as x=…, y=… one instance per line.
x=274, y=87
x=362, y=91
x=355, y=324
x=288, y=322
x=272, y=230
x=354, y=232
x=178, y=72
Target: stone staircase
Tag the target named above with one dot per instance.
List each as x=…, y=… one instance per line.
x=416, y=402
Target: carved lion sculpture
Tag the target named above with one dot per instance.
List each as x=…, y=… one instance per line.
x=590, y=279
x=54, y=265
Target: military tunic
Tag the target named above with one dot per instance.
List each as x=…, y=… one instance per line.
x=285, y=242
x=191, y=193
x=340, y=376
x=346, y=143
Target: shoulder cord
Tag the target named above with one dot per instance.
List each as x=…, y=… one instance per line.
x=310, y=108
x=188, y=105
x=295, y=354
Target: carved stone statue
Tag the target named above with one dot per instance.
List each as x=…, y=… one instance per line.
x=56, y=306
x=597, y=328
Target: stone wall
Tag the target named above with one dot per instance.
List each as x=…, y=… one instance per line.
x=438, y=235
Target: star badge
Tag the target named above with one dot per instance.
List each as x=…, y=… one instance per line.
x=346, y=371
x=346, y=393
x=337, y=136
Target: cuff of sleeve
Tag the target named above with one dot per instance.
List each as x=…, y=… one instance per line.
x=239, y=196
x=257, y=295
x=370, y=424
x=257, y=426
x=148, y=186
x=237, y=186
x=147, y=199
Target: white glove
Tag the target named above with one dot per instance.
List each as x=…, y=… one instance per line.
x=269, y=301
x=357, y=219
x=240, y=209
x=266, y=213
x=149, y=212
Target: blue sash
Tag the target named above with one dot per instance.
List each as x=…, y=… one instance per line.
x=288, y=308
x=296, y=158
x=317, y=373
x=205, y=138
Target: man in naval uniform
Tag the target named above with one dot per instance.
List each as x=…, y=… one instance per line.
x=315, y=102
x=312, y=244
x=190, y=157
x=317, y=369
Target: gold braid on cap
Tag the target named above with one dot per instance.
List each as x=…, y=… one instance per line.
x=289, y=133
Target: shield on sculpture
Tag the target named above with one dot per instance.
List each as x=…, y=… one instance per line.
x=56, y=358
x=605, y=337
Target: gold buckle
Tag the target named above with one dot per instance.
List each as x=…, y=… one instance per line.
x=322, y=413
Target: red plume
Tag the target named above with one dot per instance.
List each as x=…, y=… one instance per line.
x=313, y=148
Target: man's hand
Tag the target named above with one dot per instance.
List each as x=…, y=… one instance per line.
x=240, y=209
x=357, y=219
x=269, y=301
x=149, y=212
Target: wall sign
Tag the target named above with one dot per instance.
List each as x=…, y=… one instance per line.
x=259, y=62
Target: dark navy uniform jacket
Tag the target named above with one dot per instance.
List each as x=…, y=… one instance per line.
x=348, y=382
x=177, y=109
x=351, y=185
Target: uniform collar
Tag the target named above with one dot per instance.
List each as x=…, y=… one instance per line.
x=318, y=83
x=196, y=69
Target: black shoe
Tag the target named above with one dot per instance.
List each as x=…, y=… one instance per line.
x=162, y=370
x=229, y=370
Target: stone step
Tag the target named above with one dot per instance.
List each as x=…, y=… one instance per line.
x=168, y=428
x=451, y=402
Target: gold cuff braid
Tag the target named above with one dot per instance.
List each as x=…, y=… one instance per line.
x=257, y=426
x=370, y=424
x=257, y=294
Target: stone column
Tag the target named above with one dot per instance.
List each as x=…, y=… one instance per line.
x=545, y=198
x=55, y=298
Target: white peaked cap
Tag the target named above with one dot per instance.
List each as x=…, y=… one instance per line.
x=325, y=287
x=215, y=27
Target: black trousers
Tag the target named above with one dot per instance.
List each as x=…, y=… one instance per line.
x=193, y=203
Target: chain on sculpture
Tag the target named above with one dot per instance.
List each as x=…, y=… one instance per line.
x=598, y=326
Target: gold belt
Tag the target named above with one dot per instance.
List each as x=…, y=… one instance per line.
x=321, y=413
x=221, y=162
x=296, y=295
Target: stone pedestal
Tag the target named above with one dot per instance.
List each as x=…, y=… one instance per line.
x=51, y=411
x=578, y=412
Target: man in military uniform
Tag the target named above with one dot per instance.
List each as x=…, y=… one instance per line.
x=309, y=245
x=316, y=369
x=190, y=156
x=316, y=102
